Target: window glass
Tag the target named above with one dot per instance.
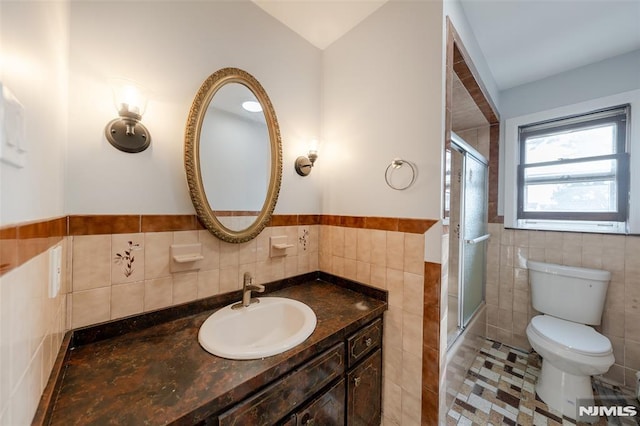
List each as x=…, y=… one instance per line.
x=575, y=168
x=567, y=197
x=587, y=142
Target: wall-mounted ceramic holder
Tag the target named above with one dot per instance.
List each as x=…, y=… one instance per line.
x=278, y=246
x=185, y=257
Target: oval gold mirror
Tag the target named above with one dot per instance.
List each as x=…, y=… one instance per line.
x=233, y=155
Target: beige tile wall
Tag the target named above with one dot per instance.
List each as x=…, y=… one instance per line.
x=393, y=261
x=32, y=327
x=104, y=289
x=507, y=292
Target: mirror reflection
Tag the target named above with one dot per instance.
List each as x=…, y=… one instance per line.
x=234, y=145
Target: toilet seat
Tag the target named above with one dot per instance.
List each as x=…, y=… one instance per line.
x=572, y=336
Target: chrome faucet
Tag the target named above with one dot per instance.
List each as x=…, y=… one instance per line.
x=247, y=287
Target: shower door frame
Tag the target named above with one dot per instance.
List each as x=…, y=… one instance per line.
x=462, y=147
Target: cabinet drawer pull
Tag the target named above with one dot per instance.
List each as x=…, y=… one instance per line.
x=356, y=381
x=368, y=342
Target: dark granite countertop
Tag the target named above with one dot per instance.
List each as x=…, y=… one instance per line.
x=161, y=375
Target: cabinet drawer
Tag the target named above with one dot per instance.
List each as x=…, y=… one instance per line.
x=364, y=341
x=283, y=396
x=328, y=409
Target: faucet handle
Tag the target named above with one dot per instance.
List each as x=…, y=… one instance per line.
x=256, y=287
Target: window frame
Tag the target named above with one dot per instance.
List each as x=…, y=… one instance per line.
x=619, y=116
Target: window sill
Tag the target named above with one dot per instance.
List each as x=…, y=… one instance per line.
x=572, y=226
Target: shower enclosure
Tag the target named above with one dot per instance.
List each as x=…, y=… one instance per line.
x=467, y=198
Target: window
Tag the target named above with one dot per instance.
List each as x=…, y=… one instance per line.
x=575, y=169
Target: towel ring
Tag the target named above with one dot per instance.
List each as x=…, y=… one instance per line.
x=396, y=164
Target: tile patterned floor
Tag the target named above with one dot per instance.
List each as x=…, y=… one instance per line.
x=499, y=390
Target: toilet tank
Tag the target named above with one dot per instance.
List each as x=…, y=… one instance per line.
x=568, y=292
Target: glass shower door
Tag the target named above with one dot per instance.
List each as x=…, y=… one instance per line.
x=467, y=173
x=474, y=235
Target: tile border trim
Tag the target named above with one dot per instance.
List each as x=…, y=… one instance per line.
x=131, y=224
x=22, y=242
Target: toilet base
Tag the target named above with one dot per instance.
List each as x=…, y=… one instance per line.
x=560, y=390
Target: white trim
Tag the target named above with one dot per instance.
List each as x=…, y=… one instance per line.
x=512, y=151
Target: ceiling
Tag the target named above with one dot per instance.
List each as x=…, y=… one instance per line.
x=522, y=40
x=527, y=40
x=321, y=22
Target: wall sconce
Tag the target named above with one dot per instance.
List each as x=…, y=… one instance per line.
x=127, y=133
x=305, y=164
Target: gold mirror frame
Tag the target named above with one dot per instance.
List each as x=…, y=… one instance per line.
x=192, y=164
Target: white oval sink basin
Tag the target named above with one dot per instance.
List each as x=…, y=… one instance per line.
x=270, y=327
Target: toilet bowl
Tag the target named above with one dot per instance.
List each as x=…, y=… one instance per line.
x=571, y=354
x=570, y=299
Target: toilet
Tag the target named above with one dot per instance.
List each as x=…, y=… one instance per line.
x=570, y=299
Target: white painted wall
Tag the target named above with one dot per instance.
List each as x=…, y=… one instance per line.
x=614, y=75
x=171, y=48
x=33, y=65
x=383, y=99
x=33, y=60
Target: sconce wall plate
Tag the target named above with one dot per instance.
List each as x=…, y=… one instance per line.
x=125, y=137
x=303, y=165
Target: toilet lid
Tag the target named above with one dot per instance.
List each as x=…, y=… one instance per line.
x=577, y=337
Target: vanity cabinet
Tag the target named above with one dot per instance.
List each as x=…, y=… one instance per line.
x=331, y=379
x=341, y=386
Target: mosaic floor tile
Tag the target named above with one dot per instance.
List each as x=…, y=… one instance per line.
x=499, y=389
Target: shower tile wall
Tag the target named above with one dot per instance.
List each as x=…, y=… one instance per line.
x=477, y=137
x=508, y=294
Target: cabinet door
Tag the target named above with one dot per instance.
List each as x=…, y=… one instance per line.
x=364, y=392
x=328, y=409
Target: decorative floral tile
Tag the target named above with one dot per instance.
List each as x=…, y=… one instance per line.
x=128, y=258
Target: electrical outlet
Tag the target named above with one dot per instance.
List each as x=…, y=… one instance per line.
x=55, y=271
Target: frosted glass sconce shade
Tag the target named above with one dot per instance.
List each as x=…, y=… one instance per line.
x=304, y=164
x=126, y=133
